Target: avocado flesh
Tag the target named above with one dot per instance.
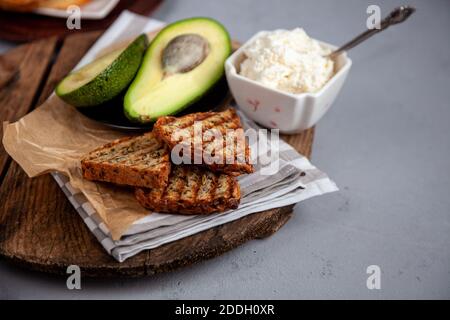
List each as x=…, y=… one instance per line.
x=104, y=78
x=153, y=94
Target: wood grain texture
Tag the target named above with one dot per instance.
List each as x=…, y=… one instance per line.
x=7, y=71
x=32, y=62
x=40, y=229
x=303, y=142
x=21, y=27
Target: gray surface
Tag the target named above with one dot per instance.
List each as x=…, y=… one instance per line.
x=385, y=142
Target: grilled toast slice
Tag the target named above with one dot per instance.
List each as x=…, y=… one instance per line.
x=141, y=161
x=232, y=152
x=192, y=190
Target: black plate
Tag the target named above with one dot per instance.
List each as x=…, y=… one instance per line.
x=111, y=113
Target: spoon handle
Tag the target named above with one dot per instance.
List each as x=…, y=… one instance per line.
x=398, y=15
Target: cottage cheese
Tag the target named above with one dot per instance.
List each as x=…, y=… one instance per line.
x=290, y=61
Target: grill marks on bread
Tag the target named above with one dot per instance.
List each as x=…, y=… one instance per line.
x=226, y=123
x=192, y=190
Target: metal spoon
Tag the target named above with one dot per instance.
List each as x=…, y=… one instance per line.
x=398, y=15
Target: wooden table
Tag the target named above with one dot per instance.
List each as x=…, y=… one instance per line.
x=40, y=229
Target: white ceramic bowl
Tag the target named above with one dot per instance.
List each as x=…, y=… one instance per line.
x=272, y=108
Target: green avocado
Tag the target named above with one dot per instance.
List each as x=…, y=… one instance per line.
x=182, y=63
x=104, y=78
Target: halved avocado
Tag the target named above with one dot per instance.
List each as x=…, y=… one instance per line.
x=182, y=63
x=104, y=78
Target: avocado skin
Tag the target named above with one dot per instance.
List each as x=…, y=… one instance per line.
x=133, y=116
x=111, y=81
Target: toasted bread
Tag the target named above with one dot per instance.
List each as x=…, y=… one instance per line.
x=172, y=131
x=141, y=161
x=192, y=190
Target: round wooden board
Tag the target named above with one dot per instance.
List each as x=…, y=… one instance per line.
x=21, y=27
x=41, y=230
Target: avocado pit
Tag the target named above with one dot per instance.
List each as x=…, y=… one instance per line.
x=183, y=53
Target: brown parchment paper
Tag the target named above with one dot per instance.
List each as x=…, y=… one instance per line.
x=55, y=137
